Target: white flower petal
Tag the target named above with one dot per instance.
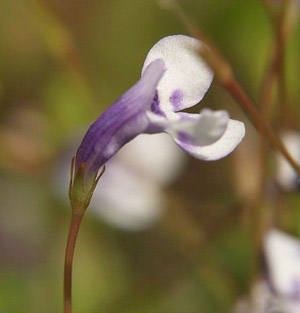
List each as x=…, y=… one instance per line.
x=154, y=156
x=127, y=200
x=187, y=77
x=263, y=299
x=285, y=175
x=219, y=146
x=130, y=193
x=282, y=254
x=200, y=129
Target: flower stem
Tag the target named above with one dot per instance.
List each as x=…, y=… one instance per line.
x=71, y=242
x=263, y=126
x=271, y=9
x=284, y=22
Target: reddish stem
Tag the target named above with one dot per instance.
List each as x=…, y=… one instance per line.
x=71, y=242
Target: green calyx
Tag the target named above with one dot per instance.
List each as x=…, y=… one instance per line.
x=79, y=195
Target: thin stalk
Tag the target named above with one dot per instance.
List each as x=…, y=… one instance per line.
x=282, y=92
x=69, y=255
x=263, y=127
x=275, y=73
x=272, y=75
x=268, y=83
x=271, y=9
x=283, y=25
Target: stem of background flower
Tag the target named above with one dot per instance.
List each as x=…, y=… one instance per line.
x=275, y=72
x=69, y=255
x=55, y=35
x=224, y=73
x=271, y=9
x=284, y=22
x=285, y=25
x=57, y=38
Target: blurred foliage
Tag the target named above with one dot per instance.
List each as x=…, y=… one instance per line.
x=62, y=64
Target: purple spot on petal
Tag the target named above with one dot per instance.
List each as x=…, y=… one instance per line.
x=176, y=99
x=186, y=138
x=155, y=106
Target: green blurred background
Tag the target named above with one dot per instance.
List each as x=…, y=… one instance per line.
x=62, y=64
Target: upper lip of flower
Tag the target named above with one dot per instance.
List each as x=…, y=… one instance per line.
x=173, y=78
x=114, y=124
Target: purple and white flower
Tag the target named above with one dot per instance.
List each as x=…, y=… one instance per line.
x=174, y=77
x=279, y=290
x=282, y=253
x=262, y=299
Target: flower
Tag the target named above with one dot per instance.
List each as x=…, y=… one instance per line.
x=262, y=299
x=282, y=254
x=173, y=78
x=285, y=175
x=279, y=290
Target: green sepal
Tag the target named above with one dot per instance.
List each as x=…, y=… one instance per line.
x=80, y=196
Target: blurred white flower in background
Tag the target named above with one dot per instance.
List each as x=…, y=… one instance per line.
x=279, y=291
x=282, y=254
x=130, y=195
x=285, y=175
x=263, y=300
